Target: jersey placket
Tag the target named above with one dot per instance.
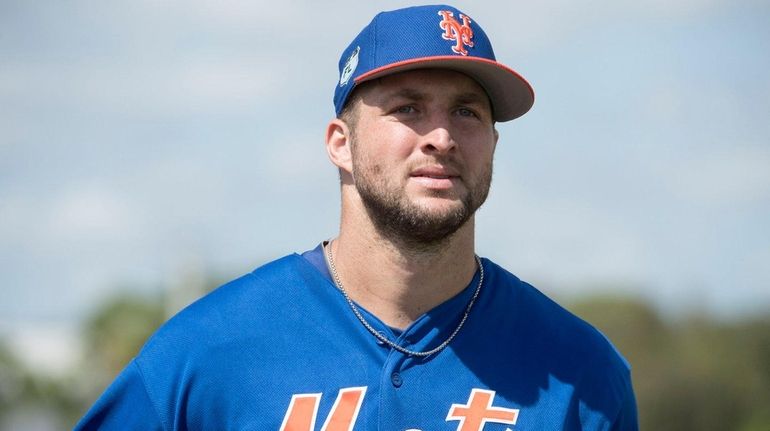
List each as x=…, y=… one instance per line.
x=399, y=386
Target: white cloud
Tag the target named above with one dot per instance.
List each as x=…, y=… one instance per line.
x=558, y=239
x=534, y=26
x=51, y=349
x=296, y=155
x=151, y=90
x=729, y=177
x=86, y=212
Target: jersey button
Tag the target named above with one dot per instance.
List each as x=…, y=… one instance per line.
x=396, y=379
x=380, y=342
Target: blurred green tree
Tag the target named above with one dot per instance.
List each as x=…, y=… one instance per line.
x=116, y=331
x=11, y=381
x=693, y=374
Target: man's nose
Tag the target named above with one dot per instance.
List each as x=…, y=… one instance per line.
x=439, y=138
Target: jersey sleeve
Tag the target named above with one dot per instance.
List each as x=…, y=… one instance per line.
x=627, y=419
x=125, y=405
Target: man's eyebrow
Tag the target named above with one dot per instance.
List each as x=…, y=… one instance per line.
x=472, y=97
x=405, y=93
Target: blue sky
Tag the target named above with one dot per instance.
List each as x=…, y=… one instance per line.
x=140, y=139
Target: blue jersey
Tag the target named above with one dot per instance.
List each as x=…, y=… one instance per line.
x=280, y=349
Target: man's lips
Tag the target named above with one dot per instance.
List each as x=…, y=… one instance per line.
x=435, y=177
x=434, y=172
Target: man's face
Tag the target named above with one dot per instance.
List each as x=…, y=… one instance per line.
x=422, y=144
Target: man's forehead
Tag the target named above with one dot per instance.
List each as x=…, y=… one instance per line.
x=426, y=83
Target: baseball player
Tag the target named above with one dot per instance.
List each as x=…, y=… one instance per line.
x=396, y=323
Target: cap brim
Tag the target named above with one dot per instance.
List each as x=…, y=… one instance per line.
x=510, y=94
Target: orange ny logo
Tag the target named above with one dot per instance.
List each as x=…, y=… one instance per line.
x=462, y=34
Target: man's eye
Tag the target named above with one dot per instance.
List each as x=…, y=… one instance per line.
x=465, y=112
x=408, y=109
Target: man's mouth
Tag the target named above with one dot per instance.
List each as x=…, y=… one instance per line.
x=435, y=177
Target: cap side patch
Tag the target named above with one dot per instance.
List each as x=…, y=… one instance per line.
x=350, y=67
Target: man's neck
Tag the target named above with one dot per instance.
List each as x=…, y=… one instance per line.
x=399, y=283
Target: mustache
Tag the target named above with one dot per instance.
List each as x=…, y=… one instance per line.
x=447, y=162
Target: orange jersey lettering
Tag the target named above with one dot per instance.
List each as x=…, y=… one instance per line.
x=303, y=411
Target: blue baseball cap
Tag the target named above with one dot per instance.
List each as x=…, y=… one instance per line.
x=424, y=37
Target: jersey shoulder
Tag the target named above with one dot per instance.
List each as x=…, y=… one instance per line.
x=547, y=339
x=252, y=302
x=240, y=323
x=537, y=315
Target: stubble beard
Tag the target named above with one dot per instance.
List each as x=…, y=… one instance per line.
x=408, y=224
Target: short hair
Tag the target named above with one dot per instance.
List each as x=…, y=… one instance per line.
x=348, y=113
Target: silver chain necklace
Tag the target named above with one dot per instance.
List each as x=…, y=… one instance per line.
x=386, y=340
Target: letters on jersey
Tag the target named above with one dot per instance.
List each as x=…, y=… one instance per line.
x=471, y=416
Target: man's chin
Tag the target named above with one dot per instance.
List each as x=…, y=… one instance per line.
x=435, y=206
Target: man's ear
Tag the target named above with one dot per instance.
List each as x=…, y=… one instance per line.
x=338, y=145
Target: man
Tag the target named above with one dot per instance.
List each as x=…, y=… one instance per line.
x=396, y=324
